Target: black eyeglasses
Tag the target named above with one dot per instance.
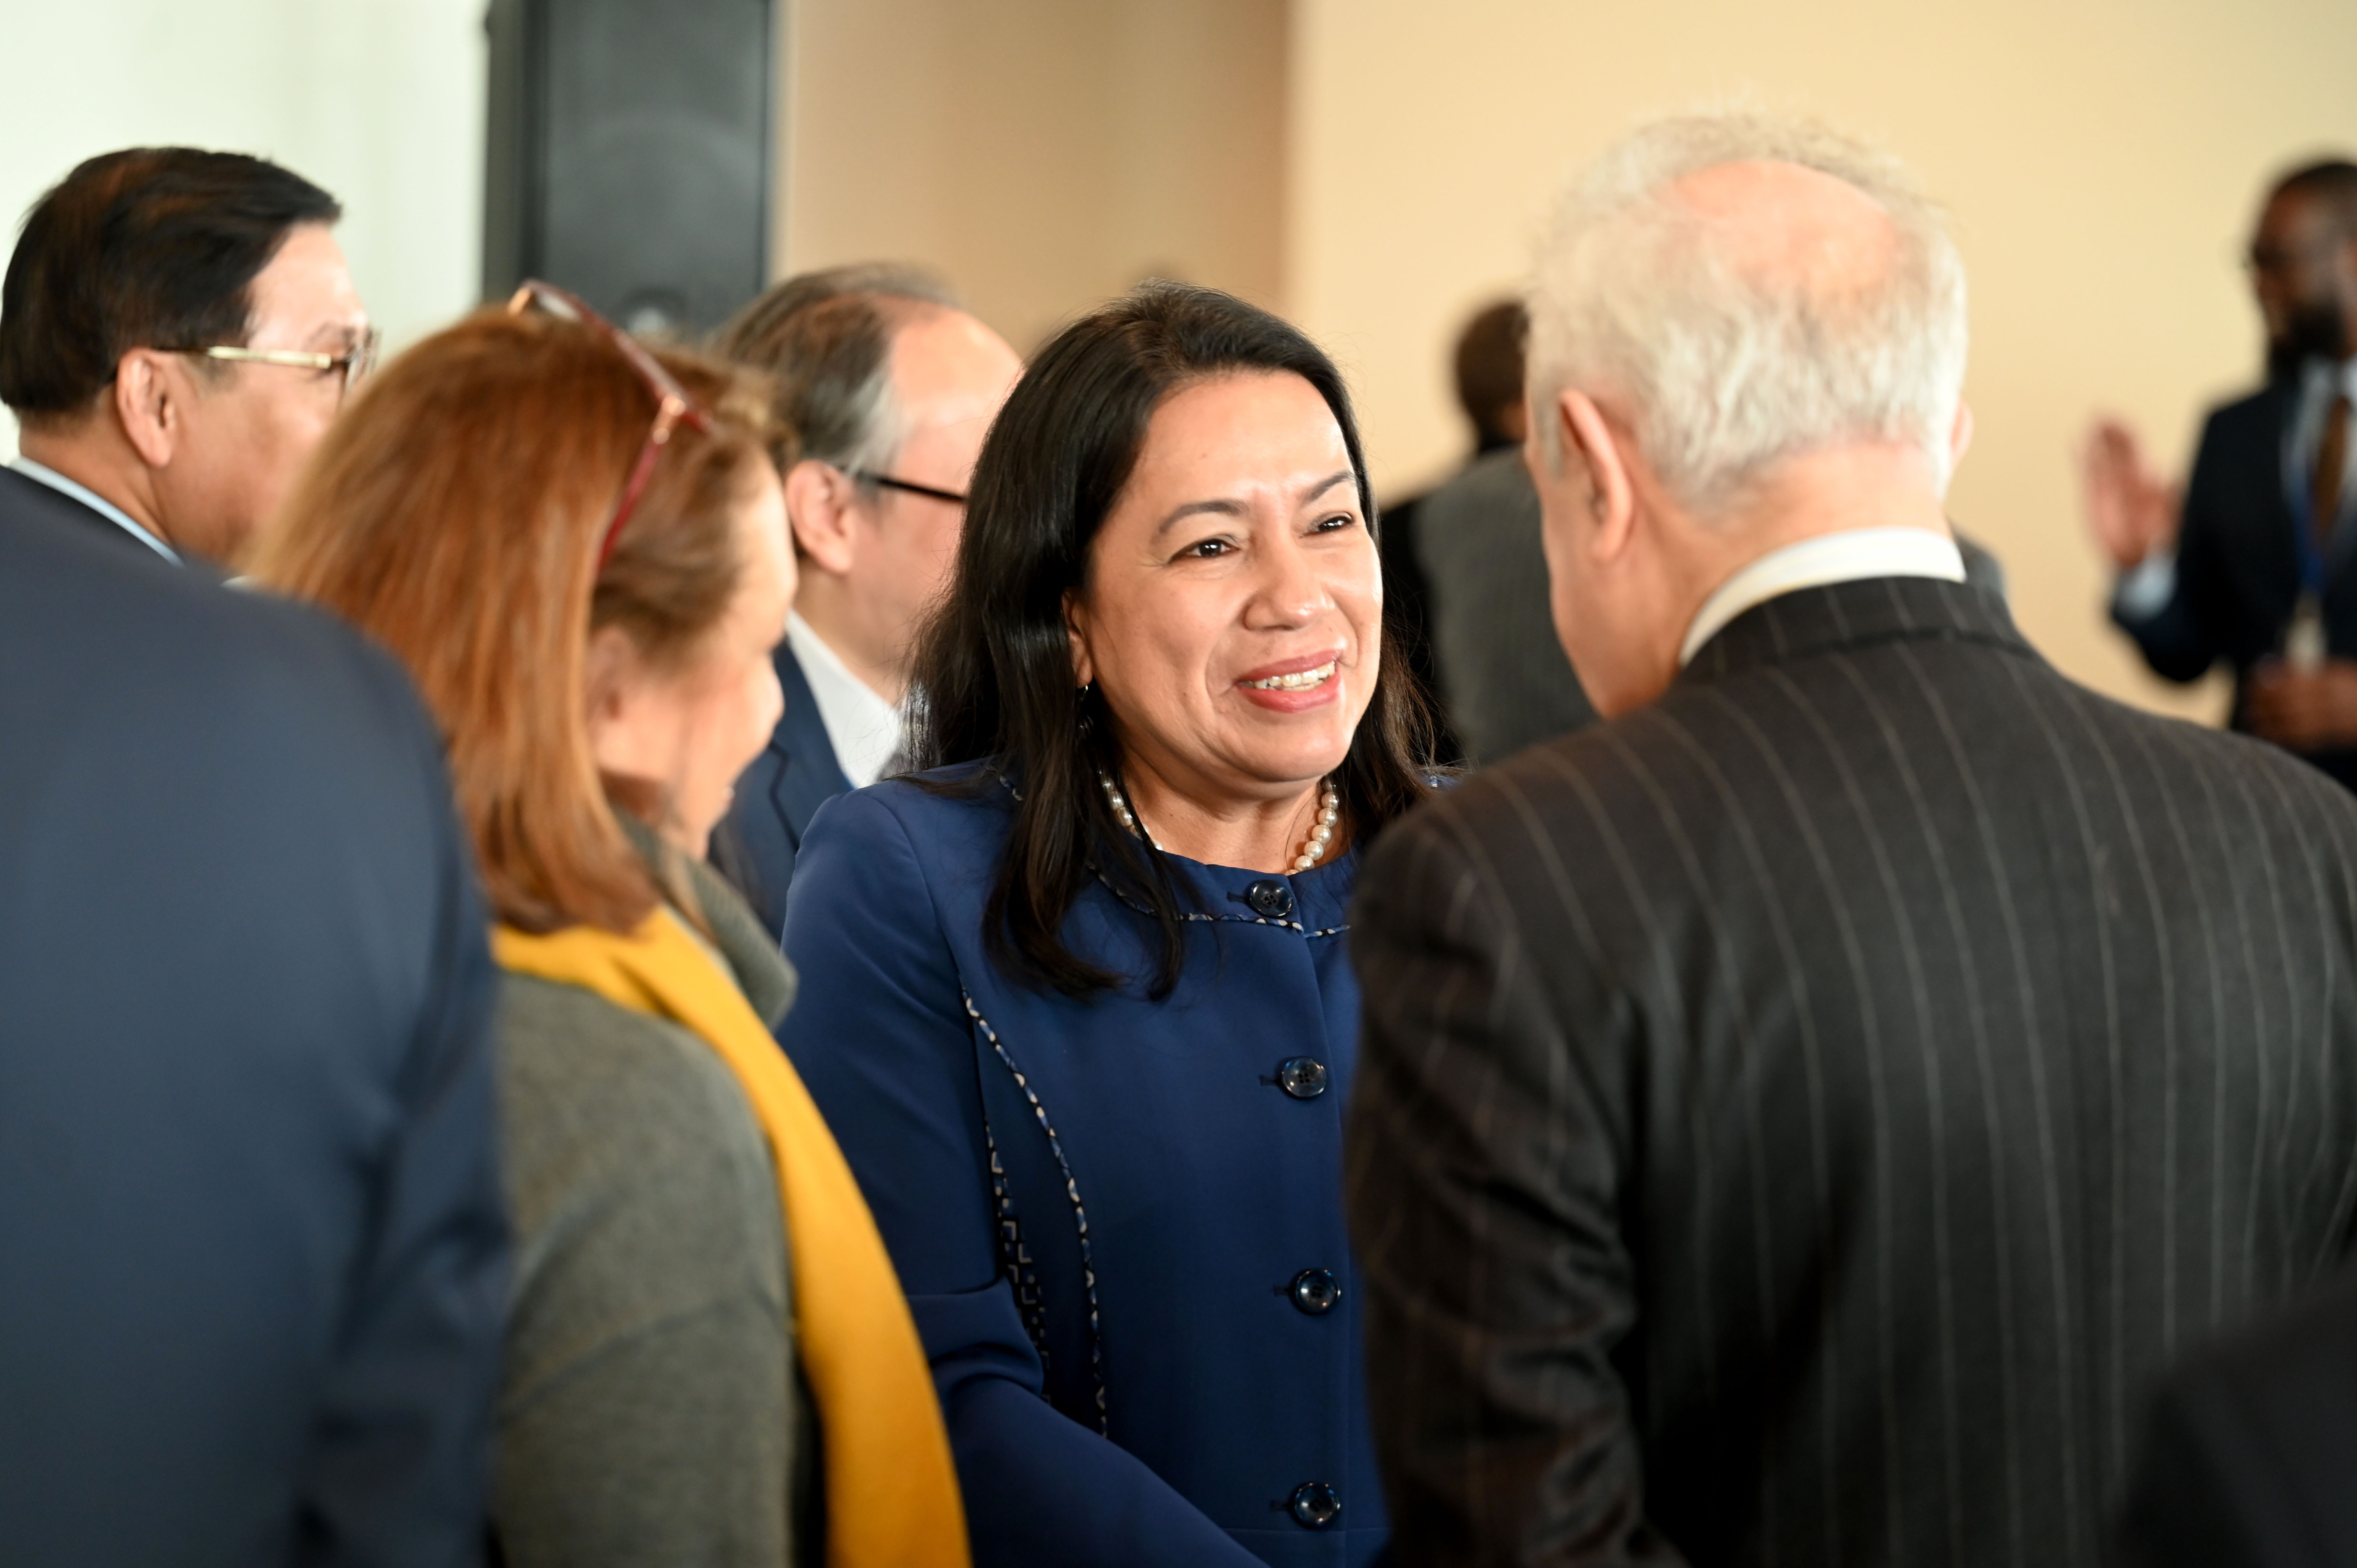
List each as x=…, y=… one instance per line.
x=2275, y=261
x=914, y=488
x=674, y=407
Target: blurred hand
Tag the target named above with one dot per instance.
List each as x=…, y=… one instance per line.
x=2304, y=710
x=2131, y=511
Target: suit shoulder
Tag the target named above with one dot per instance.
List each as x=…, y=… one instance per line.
x=1498, y=813
x=2224, y=754
x=941, y=806
x=1503, y=790
x=2245, y=404
x=2252, y=416
x=77, y=606
x=932, y=844
x=231, y=681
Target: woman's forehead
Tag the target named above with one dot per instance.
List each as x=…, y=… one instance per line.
x=1246, y=427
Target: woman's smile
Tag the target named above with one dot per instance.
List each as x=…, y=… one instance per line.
x=1293, y=689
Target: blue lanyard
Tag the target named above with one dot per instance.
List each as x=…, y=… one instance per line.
x=2301, y=498
x=2311, y=559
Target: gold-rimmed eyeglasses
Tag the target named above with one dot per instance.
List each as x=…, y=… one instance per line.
x=351, y=366
x=674, y=407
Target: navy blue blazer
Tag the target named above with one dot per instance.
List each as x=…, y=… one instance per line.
x=252, y=1257
x=2238, y=575
x=758, y=844
x=1119, y=1222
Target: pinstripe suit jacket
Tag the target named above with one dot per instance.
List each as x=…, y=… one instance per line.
x=1794, y=1119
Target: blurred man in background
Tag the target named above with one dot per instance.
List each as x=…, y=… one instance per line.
x=885, y=389
x=177, y=328
x=2252, y=567
x=253, y=1253
x=1795, y=1115
x=1502, y=676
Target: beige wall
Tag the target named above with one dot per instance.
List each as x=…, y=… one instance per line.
x=1046, y=153
x=2101, y=160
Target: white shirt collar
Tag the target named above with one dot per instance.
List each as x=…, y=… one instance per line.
x=96, y=502
x=2320, y=378
x=1843, y=557
x=864, y=729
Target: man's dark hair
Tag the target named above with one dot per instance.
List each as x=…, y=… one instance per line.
x=827, y=337
x=1489, y=369
x=994, y=666
x=2332, y=183
x=149, y=247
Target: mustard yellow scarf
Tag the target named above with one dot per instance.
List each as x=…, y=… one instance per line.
x=892, y=1493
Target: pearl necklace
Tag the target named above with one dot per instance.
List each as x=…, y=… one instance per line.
x=1313, y=848
x=1121, y=808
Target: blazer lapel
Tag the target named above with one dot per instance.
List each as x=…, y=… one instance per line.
x=807, y=775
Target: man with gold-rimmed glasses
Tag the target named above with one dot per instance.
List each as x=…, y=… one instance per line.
x=178, y=328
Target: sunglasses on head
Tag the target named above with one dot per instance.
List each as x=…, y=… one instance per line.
x=674, y=407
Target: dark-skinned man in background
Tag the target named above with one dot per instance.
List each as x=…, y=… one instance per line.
x=2250, y=565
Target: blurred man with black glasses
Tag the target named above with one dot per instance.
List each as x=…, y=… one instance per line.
x=885, y=389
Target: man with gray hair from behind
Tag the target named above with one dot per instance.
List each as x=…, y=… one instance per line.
x=1798, y=1115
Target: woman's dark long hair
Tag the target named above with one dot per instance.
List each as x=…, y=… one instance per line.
x=994, y=677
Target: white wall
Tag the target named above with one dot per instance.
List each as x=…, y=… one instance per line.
x=378, y=101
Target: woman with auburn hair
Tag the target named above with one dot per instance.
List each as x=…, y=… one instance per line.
x=1078, y=1001
x=577, y=546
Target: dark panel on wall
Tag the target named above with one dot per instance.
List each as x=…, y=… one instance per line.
x=630, y=152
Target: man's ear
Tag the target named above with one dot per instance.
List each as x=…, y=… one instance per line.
x=1084, y=669
x=819, y=501
x=149, y=389
x=1959, y=435
x=1600, y=448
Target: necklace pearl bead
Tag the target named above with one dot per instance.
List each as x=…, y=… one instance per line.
x=1329, y=812
x=1313, y=848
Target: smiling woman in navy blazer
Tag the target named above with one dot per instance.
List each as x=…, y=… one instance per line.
x=1076, y=1001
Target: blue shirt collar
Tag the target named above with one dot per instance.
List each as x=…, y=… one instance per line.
x=96, y=502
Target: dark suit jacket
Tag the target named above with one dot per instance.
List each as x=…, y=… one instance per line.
x=27, y=501
x=252, y=1262
x=2249, y=1457
x=2238, y=559
x=1794, y=1118
x=756, y=847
